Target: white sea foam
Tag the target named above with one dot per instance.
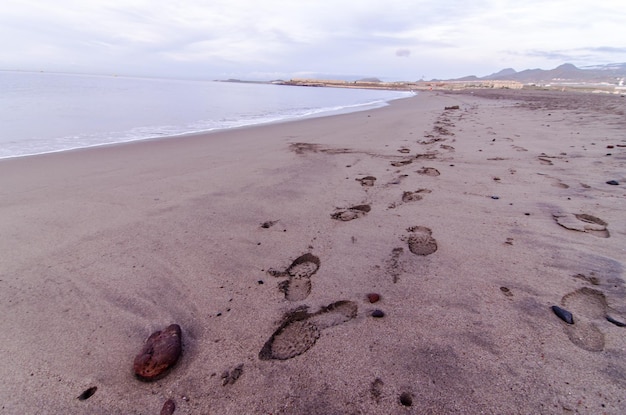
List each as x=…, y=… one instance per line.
x=43, y=113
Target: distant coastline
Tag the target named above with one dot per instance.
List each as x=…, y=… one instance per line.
x=608, y=79
x=453, y=85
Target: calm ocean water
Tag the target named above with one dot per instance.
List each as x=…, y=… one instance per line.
x=42, y=112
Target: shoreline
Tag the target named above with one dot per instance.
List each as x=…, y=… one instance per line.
x=469, y=223
x=28, y=142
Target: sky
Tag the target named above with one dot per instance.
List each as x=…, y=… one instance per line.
x=282, y=39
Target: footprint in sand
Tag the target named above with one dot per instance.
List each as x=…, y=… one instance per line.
x=351, y=213
x=297, y=287
x=300, y=329
x=588, y=307
x=400, y=163
x=427, y=156
x=367, y=181
x=428, y=171
x=420, y=241
x=415, y=196
x=582, y=222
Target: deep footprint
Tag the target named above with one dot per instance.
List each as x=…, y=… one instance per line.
x=298, y=285
x=428, y=171
x=586, y=304
x=334, y=314
x=582, y=223
x=414, y=196
x=421, y=241
x=300, y=330
x=367, y=181
x=351, y=213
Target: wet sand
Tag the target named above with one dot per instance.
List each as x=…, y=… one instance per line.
x=263, y=244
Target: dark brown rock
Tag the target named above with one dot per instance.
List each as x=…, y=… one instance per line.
x=161, y=352
x=373, y=297
x=168, y=407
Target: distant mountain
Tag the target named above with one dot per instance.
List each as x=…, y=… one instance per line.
x=567, y=72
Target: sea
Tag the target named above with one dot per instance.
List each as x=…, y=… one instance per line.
x=50, y=112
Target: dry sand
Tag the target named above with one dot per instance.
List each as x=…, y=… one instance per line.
x=478, y=221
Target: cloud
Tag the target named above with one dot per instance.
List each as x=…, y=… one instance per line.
x=239, y=37
x=405, y=53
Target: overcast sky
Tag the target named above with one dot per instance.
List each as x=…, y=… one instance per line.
x=271, y=39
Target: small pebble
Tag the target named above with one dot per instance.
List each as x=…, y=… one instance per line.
x=168, y=407
x=260, y=282
x=612, y=182
x=495, y=197
x=87, y=393
x=563, y=314
x=406, y=399
x=378, y=313
x=373, y=297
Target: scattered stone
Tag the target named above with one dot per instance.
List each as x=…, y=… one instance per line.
x=373, y=297
x=161, y=352
x=495, y=197
x=378, y=313
x=563, y=314
x=453, y=107
x=613, y=182
x=506, y=291
x=616, y=322
x=406, y=399
x=88, y=393
x=168, y=407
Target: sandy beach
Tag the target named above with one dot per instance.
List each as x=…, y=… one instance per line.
x=470, y=215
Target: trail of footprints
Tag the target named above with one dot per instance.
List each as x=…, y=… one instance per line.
x=299, y=329
x=583, y=310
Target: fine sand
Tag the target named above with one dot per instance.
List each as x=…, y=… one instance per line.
x=470, y=224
